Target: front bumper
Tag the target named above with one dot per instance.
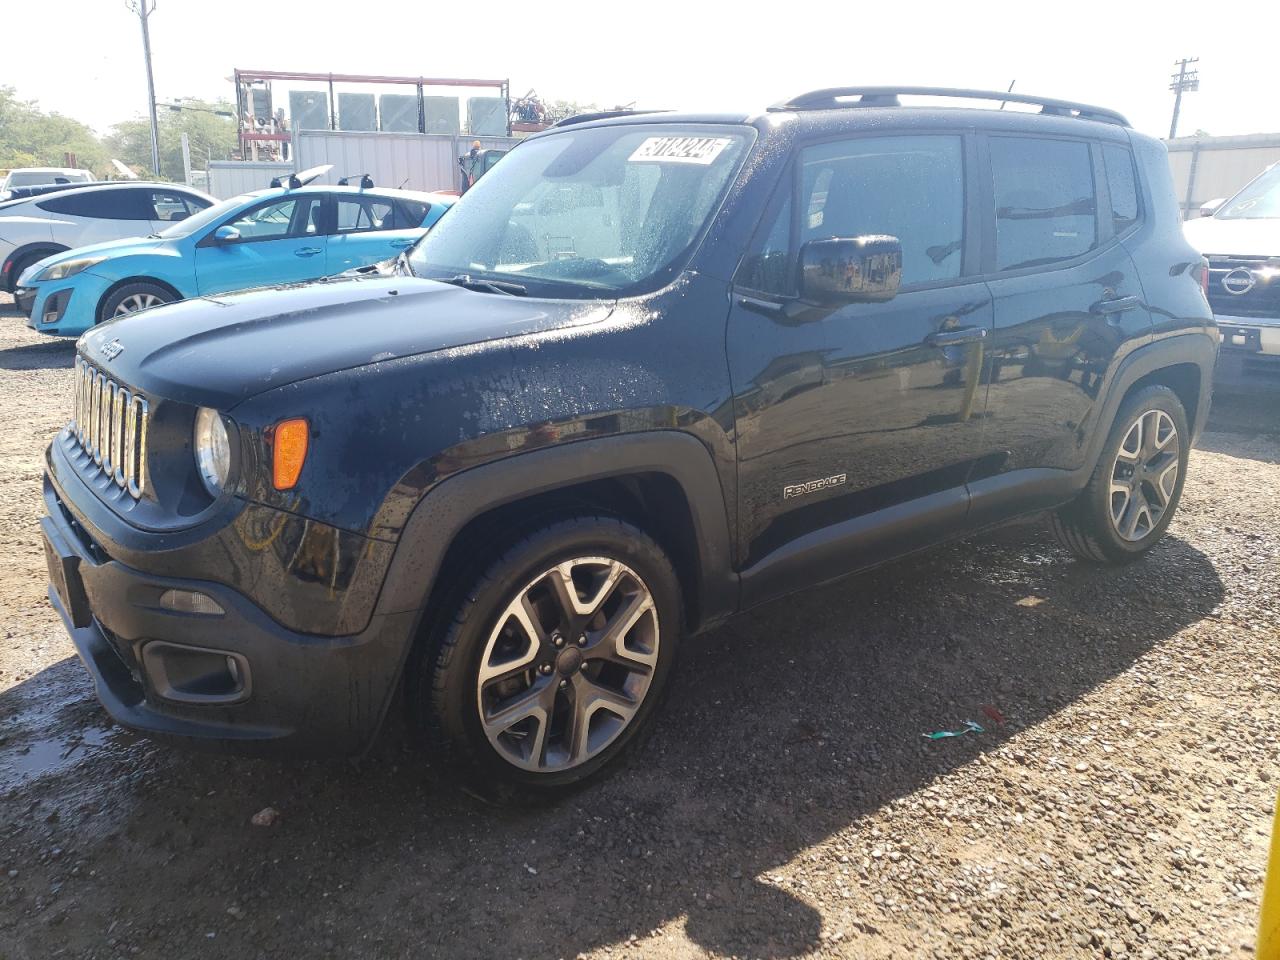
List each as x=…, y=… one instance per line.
x=79, y=298
x=24, y=299
x=1249, y=361
x=288, y=692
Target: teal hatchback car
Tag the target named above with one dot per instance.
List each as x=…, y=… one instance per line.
x=279, y=235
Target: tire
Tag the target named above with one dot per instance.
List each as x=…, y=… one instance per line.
x=141, y=295
x=20, y=266
x=1120, y=522
x=543, y=665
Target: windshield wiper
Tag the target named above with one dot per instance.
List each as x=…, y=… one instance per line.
x=469, y=282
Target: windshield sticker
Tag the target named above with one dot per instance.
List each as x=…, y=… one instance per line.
x=701, y=150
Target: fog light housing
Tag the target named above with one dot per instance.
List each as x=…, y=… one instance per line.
x=190, y=601
x=196, y=675
x=55, y=305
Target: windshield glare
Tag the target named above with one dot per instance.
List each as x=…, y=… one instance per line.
x=1260, y=200
x=589, y=213
x=207, y=216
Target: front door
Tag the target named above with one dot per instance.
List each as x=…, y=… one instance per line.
x=843, y=414
x=280, y=241
x=1066, y=296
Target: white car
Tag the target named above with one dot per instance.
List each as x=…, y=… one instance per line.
x=1241, y=238
x=37, y=227
x=36, y=176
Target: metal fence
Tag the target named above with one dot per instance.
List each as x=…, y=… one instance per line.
x=1207, y=168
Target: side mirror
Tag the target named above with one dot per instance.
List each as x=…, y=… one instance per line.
x=1210, y=208
x=226, y=234
x=851, y=270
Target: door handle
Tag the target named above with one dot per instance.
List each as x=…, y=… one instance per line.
x=1118, y=305
x=306, y=251
x=401, y=244
x=951, y=338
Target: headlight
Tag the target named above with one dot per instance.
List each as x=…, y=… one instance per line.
x=67, y=268
x=213, y=450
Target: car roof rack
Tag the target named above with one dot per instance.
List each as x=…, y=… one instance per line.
x=832, y=98
x=600, y=115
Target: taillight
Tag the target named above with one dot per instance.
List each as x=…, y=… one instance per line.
x=1203, y=269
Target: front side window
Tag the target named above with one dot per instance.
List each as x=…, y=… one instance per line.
x=1260, y=200
x=767, y=265
x=1044, y=198
x=279, y=219
x=169, y=207
x=909, y=187
x=357, y=214
x=590, y=211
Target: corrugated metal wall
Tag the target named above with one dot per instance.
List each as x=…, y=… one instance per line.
x=414, y=161
x=230, y=178
x=1206, y=168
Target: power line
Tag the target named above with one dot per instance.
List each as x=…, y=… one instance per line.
x=1184, y=81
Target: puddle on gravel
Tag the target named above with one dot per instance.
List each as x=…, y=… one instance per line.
x=40, y=757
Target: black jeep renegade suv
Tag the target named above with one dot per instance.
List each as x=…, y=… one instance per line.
x=652, y=371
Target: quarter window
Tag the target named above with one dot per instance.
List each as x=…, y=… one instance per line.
x=1122, y=185
x=1044, y=198
x=911, y=188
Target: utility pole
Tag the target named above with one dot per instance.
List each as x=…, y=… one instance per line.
x=1184, y=81
x=144, y=10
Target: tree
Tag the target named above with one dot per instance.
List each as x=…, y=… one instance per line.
x=29, y=137
x=211, y=136
x=559, y=109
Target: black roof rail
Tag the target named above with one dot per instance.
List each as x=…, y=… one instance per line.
x=831, y=97
x=600, y=115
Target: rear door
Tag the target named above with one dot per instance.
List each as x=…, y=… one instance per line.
x=282, y=240
x=1067, y=301
x=370, y=228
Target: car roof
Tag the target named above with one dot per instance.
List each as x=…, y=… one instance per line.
x=48, y=170
x=423, y=195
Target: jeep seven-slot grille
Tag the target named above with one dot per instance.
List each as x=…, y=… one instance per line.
x=110, y=424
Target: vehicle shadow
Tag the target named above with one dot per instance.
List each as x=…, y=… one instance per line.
x=782, y=729
x=46, y=355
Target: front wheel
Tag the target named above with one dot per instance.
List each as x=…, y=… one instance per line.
x=556, y=659
x=133, y=297
x=1135, y=489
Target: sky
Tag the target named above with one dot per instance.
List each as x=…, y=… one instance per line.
x=680, y=55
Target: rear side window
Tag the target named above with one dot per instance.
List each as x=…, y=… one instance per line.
x=102, y=204
x=170, y=206
x=1045, y=206
x=1122, y=185
x=358, y=214
x=910, y=187
x=412, y=213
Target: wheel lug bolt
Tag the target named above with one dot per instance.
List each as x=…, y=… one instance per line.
x=582, y=640
x=557, y=640
x=563, y=684
x=545, y=669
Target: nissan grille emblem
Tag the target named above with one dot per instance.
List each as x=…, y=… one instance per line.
x=113, y=348
x=1239, y=281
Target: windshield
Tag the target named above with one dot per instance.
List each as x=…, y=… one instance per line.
x=594, y=212
x=1260, y=200
x=206, y=217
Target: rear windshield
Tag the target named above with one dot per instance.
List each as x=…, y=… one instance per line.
x=1260, y=200
x=593, y=212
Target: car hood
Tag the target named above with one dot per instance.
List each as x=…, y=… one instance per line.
x=111, y=248
x=1241, y=238
x=216, y=351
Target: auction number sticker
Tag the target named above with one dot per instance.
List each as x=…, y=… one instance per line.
x=701, y=150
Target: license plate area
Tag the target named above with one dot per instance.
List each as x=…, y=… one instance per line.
x=1248, y=339
x=64, y=575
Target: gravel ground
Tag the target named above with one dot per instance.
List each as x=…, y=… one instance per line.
x=787, y=805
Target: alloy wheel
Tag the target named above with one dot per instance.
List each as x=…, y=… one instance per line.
x=135, y=302
x=1144, y=475
x=568, y=664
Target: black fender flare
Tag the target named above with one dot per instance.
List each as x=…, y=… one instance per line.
x=1198, y=349
x=447, y=508
x=44, y=248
